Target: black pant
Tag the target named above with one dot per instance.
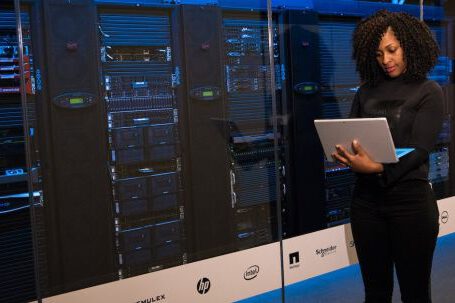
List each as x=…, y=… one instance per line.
x=395, y=226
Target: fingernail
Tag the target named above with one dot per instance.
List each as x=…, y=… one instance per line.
x=355, y=142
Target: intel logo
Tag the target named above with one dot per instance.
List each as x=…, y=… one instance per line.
x=251, y=273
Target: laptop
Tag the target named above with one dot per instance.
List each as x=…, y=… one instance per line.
x=372, y=133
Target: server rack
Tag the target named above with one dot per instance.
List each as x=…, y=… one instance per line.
x=78, y=244
x=439, y=173
x=140, y=80
x=207, y=134
x=249, y=86
x=304, y=210
x=16, y=251
x=339, y=83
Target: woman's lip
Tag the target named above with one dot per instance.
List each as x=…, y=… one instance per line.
x=390, y=69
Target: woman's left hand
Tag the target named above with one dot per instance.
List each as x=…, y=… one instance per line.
x=360, y=161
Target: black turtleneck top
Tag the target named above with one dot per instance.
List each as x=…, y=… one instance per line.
x=414, y=112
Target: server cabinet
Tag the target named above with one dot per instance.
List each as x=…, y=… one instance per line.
x=141, y=82
x=305, y=209
x=256, y=160
x=16, y=251
x=205, y=108
x=229, y=87
x=441, y=173
x=339, y=83
x=77, y=200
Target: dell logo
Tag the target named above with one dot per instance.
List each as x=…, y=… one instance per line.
x=444, y=217
x=203, y=286
x=251, y=272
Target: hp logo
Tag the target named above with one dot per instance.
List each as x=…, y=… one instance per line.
x=203, y=286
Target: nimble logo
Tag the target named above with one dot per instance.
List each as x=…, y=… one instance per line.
x=326, y=251
x=294, y=259
x=444, y=217
x=203, y=286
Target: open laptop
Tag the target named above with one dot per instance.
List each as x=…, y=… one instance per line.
x=372, y=133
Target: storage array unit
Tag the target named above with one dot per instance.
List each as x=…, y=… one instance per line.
x=249, y=97
x=143, y=139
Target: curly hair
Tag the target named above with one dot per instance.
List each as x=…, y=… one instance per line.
x=420, y=48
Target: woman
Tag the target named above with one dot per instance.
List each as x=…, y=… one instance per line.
x=394, y=215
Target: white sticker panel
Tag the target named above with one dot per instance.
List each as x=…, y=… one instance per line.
x=318, y=253
x=227, y=278
x=243, y=274
x=446, y=216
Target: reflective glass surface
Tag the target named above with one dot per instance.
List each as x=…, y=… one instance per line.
x=151, y=135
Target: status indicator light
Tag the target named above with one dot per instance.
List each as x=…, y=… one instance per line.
x=308, y=88
x=76, y=101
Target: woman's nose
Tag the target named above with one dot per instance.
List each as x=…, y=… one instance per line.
x=386, y=59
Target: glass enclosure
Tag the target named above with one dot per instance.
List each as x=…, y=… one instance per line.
x=140, y=138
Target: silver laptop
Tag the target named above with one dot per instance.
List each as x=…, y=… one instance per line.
x=372, y=133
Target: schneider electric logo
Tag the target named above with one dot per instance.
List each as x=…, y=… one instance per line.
x=203, y=286
x=326, y=251
x=294, y=260
x=444, y=217
x=159, y=298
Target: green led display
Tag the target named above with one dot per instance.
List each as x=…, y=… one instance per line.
x=207, y=93
x=75, y=101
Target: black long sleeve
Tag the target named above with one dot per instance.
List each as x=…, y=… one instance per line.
x=414, y=112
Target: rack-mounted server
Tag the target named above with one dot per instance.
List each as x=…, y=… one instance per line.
x=143, y=139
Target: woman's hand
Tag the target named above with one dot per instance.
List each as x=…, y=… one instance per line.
x=360, y=161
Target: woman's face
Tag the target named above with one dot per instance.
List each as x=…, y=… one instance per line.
x=390, y=55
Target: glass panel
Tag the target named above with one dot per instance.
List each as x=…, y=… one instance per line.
x=158, y=142
x=320, y=68
x=164, y=134
x=320, y=82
